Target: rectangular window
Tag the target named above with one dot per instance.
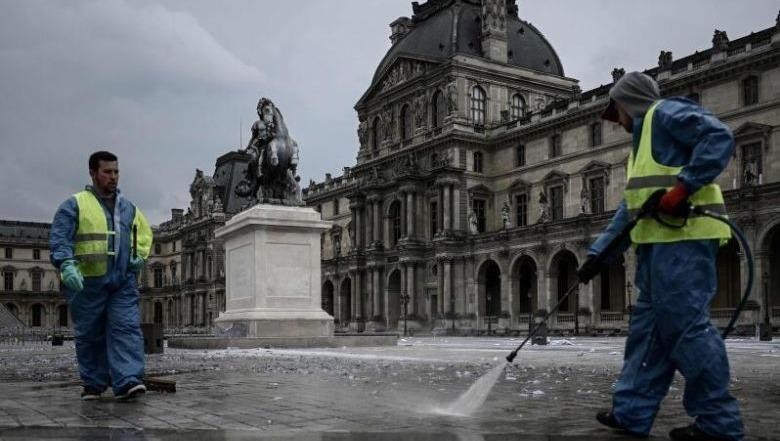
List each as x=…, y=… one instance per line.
x=434, y=219
x=597, y=195
x=158, y=277
x=520, y=156
x=555, y=145
x=521, y=210
x=9, y=253
x=174, y=246
x=595, y=134
x=36, y=281
x=157, y=248
x=750, y=90
x=752, y=163
x=335, y=207
x=479, y=211
x=36, y=254
x=556, y=202
x=477, y=162
x=173, y=273
x=8, y=281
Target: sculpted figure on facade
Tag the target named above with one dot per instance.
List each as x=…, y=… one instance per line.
x=473, y=227
x=665, y=60
x=387, y=123
x=720, y=41
x=271, y=176
x=420, y=110
x=452, y=96
x=544, y=208
x=584, y=199
x=363, y=132
x=506, y=216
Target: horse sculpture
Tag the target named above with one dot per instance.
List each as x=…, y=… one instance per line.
x=271, y=175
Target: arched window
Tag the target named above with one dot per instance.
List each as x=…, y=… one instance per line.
x=62, y=313
x=37, y=314
x=406, y=122
x=438, y=108
x=518, y=106
x=376, y=136
x=478, y=106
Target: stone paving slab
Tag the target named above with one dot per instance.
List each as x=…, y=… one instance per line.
x=350, y=394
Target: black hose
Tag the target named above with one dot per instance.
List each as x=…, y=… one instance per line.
x=750, y=264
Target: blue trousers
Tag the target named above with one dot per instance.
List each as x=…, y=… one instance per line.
x=671, y=331
x=109, y=344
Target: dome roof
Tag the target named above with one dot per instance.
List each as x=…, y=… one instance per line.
x=445, y=31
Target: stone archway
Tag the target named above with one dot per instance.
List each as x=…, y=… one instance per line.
x=563, y=275
x=393, y=298
x=158, y=313
x=327, y=297
x=37, y=315
x=346, y=301
x=524, y=292
x=62, y=316
x=489, y=283
x=729, y=282
x=770, y=292
x=609, y=287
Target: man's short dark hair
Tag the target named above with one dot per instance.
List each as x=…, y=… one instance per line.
x=95, y=158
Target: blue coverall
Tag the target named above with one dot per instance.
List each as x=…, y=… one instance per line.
x=670, y=326
x=106, y=318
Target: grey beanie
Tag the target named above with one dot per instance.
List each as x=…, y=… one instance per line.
x=635, y=92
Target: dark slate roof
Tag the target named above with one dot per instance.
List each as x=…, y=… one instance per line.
x=24, y=232
x=431, y=38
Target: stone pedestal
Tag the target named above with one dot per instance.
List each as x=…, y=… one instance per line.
x=272, y=253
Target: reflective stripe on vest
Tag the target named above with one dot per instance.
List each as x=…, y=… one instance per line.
x=90, y=245
x=645, y=176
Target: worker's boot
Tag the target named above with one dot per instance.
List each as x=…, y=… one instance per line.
x=693, y=433
x=608, y=419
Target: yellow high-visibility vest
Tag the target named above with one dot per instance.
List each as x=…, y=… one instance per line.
x=645, y=176
x=90, y=247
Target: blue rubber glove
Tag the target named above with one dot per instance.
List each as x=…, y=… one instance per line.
x=135, y=264
x=71, y=276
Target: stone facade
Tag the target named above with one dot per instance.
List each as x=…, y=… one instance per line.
x=30, y=286
x=493, y=133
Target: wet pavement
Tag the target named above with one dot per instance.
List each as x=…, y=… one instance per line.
x=550, y=393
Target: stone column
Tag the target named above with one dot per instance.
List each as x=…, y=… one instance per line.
x=410, y=286
x=410, y=213
x=377, y=291
x=447, y=208
x=369, y=307
x=337, y=299
x=377, y=221
x=440, y=208
x=404, y=210
x=353, y=296
x=449, y=305
x=359, y=295
x=455, y=208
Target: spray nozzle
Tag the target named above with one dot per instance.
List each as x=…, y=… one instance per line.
x=511, y=356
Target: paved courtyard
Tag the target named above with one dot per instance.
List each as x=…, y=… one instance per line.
x=550, y=393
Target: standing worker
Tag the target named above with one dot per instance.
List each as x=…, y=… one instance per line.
x=680, y=147
x=90, y=243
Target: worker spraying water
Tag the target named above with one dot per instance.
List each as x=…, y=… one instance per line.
x=674, y=213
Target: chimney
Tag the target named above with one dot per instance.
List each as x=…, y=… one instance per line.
x=399, y=28
x=494, y=38
x=177, y=214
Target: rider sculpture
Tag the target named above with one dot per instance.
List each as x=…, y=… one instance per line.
x=271, y=174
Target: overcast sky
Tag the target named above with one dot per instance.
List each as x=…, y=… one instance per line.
x=167, y=84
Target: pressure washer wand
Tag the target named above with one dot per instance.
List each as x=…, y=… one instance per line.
x=593, y=267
